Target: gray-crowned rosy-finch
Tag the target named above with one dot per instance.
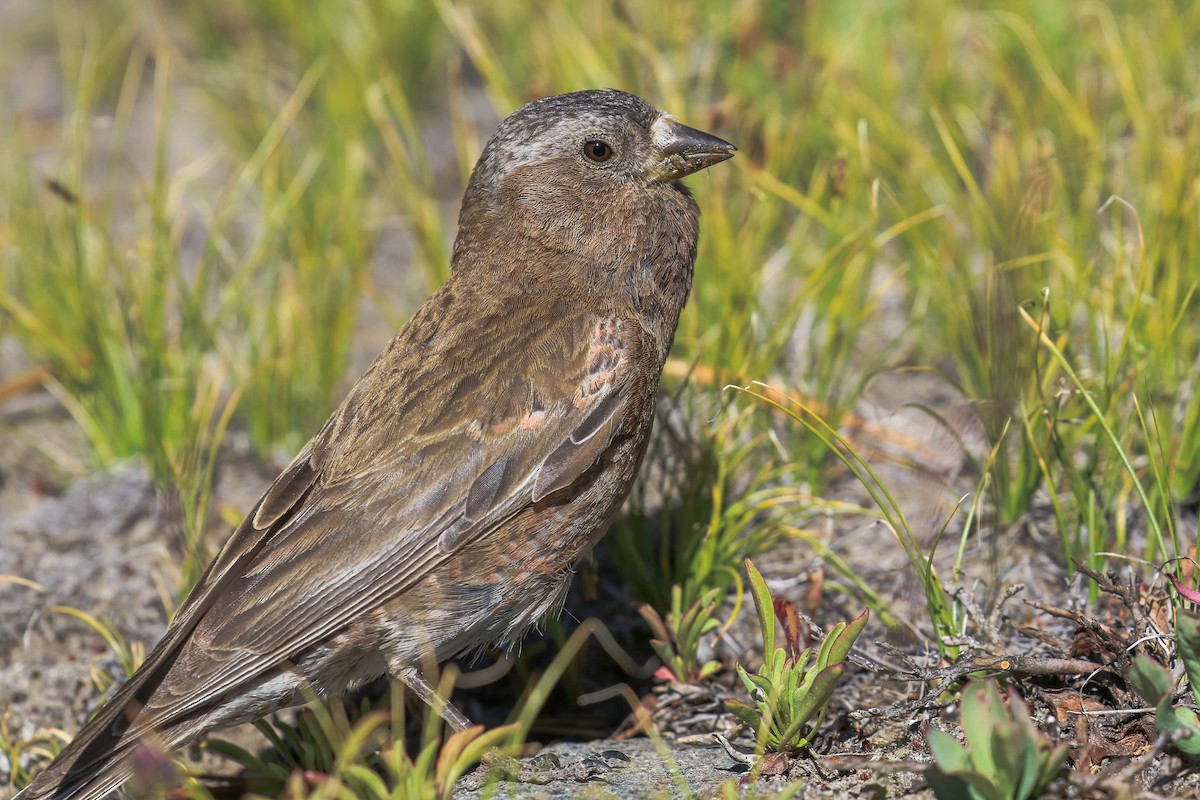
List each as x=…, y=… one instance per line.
x=444, y=504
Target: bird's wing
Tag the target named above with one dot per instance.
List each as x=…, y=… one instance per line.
x=463, y=421
x=423, y=456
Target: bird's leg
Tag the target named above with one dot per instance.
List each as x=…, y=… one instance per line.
x=492, y=761
x=411, y=677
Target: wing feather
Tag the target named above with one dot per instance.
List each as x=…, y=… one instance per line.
x=341, y=533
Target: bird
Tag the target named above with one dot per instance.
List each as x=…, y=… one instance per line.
x=444, y=505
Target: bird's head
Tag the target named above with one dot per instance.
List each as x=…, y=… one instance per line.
x=585, y=171
x=596, y=137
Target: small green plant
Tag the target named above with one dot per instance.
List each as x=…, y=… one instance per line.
x=678, y=636
x=792, y=689
x=1007, y=758
x=333, y=753
x=1153, y=682
x=19, y=752
x=339, y=751
x=945, y=614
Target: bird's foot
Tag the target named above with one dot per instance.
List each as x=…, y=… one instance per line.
x=544, y=768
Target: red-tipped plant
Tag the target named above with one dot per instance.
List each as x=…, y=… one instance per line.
x=792, y=688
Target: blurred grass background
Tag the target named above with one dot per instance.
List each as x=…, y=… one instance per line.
x=211, y=212
x=201, y=201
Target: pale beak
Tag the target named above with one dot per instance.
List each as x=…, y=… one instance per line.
x=683, y=150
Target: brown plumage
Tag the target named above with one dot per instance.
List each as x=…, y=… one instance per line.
x=444, y=504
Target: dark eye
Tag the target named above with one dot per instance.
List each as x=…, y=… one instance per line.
x=597, y=150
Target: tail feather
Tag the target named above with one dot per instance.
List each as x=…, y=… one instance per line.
x=101, y=757
x=97, y=786
x=97, y=760
x=101, y=778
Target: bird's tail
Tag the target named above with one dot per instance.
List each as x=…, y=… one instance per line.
x=103, y=756
x=106, y=752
